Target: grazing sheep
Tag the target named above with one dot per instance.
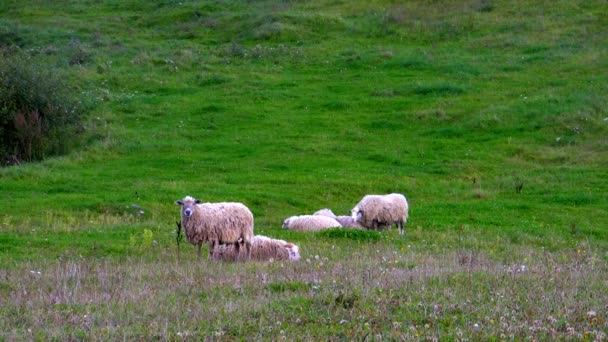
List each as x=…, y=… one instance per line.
x=310, y=223
x=377, y=211
x=345, y=221
x=262, y=249
x=216, y=223
x=348, y=221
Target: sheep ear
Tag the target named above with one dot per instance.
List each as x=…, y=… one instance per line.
x=197, y=201
x=179, y=202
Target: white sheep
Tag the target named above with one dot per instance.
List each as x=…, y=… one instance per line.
x=262, y=249
x=310, y=223
x=216, y=223
x=326, y=212
x=377, y=211
x=345, y=221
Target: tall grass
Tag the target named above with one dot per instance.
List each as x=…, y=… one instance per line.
x=386, y=292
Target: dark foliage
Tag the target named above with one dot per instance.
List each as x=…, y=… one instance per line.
x=38, y=115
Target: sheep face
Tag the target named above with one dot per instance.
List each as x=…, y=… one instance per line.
x=285, y=224
x=293, y=250
x=356, y=213
x=187, y=205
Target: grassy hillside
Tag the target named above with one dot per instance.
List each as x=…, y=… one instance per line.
x=490, y=116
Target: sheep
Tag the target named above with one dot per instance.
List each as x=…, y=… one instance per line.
x=310, y=223
x=262, y=249
x=326, y=212
x=345, y=221
x=348, y=221
x=377, y=211
x=216, y=223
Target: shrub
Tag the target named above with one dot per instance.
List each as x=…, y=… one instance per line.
x=38, y=116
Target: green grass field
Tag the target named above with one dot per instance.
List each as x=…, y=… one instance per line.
x=489, y=115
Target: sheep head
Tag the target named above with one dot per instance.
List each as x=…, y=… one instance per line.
x=356, y=213
x=293, y=251
x=187, y=205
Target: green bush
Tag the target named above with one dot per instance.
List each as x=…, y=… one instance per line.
x=38, y=116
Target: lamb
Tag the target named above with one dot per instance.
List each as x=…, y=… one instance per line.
x=262, y=249
x=310, y=223
x=216, y=223
x=377, y=211
x=345, y=221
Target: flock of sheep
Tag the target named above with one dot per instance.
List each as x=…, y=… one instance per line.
x=228, y=226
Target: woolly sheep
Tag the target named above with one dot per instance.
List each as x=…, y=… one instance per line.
x=377, y=211
x=326, y=212
x=216, y=223
x=345, y=221
x=310, y=223
x=262, y=249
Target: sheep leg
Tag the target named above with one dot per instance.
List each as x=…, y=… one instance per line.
x=248, y=246
x=401, y=229
x=237, y=247
x=211, y=248
x=198, y=250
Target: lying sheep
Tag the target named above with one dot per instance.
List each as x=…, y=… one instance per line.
x=377, y=211
x=310, y=223
x=345, y=221
x=262, y=249
x=326, y=212
x=216, y=223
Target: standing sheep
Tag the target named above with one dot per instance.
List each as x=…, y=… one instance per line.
x=376, y=211
x=345, y=221
x=310, y=223
x=216, y=223
x=262, y=249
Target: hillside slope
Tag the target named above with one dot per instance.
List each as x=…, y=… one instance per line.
x=489, y=115
x=294, y=106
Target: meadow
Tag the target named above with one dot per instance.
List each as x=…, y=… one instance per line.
x=489, y=115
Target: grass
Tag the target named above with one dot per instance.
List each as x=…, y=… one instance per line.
x=488, y=115
x=387, y=292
